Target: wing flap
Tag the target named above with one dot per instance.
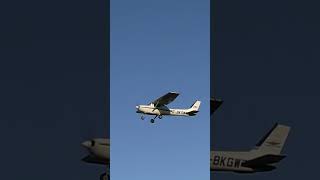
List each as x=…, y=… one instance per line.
x=263, y=160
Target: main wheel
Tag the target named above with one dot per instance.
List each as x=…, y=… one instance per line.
x=152, y=120
x=160, y=117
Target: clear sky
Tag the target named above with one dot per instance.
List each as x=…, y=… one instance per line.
x=157, y=47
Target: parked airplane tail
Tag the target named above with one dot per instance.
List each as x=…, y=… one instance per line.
x=268, y=149
x=274, y=140
x=263, y=163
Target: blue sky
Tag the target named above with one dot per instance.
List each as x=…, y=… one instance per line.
x=157, y=47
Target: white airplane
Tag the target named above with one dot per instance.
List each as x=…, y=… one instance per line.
x=158, y=107
x=99, y=153
x=259, y=159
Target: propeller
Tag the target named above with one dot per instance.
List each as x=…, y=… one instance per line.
x=137, y=105
x=89, y=143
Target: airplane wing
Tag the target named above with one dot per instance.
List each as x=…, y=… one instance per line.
x=214, y=104
x=166, y=99
x=263, y=160
x=92, y=159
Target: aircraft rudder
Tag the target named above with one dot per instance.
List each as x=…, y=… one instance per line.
x=274, y=141
x=196, y=105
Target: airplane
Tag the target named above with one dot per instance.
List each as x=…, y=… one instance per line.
x=99, y=153
x=263, y=157
x=158, y=107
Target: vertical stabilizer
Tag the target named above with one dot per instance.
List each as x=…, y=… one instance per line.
x=274, y=140
x=195, y=106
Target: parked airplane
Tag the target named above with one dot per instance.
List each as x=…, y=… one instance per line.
x=262, y=158
x=99, y=153
x=158, y=107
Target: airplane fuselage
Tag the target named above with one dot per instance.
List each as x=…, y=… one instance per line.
x=229, y=161
x=163, y=110
x=233, y=161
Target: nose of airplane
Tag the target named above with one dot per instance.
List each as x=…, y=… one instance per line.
x=86, y=144
x=137, y=107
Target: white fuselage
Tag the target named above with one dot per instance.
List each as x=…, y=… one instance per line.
x=233, y=160
x=162, y=110
x=229, y=161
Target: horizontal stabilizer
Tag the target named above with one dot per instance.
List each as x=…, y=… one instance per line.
x=258, y=169
x=263, y=161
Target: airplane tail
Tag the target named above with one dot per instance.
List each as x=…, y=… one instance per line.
x=195, y=106
x=274, y=140
x=192, y=111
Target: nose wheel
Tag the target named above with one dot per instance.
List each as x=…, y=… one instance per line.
x=142, y=117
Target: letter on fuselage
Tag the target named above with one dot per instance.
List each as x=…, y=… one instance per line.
x=225, y=161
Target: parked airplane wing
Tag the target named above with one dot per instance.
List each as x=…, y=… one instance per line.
x=166, y=99
x=263, y=160
x=214, y=104
x=94, y=160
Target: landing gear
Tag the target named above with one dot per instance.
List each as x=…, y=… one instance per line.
x=142, y=117
x=152, y=120
x=160, y=117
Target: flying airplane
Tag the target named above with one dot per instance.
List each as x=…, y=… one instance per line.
x=263, y=157
x=158, y=107
x=99, y=153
